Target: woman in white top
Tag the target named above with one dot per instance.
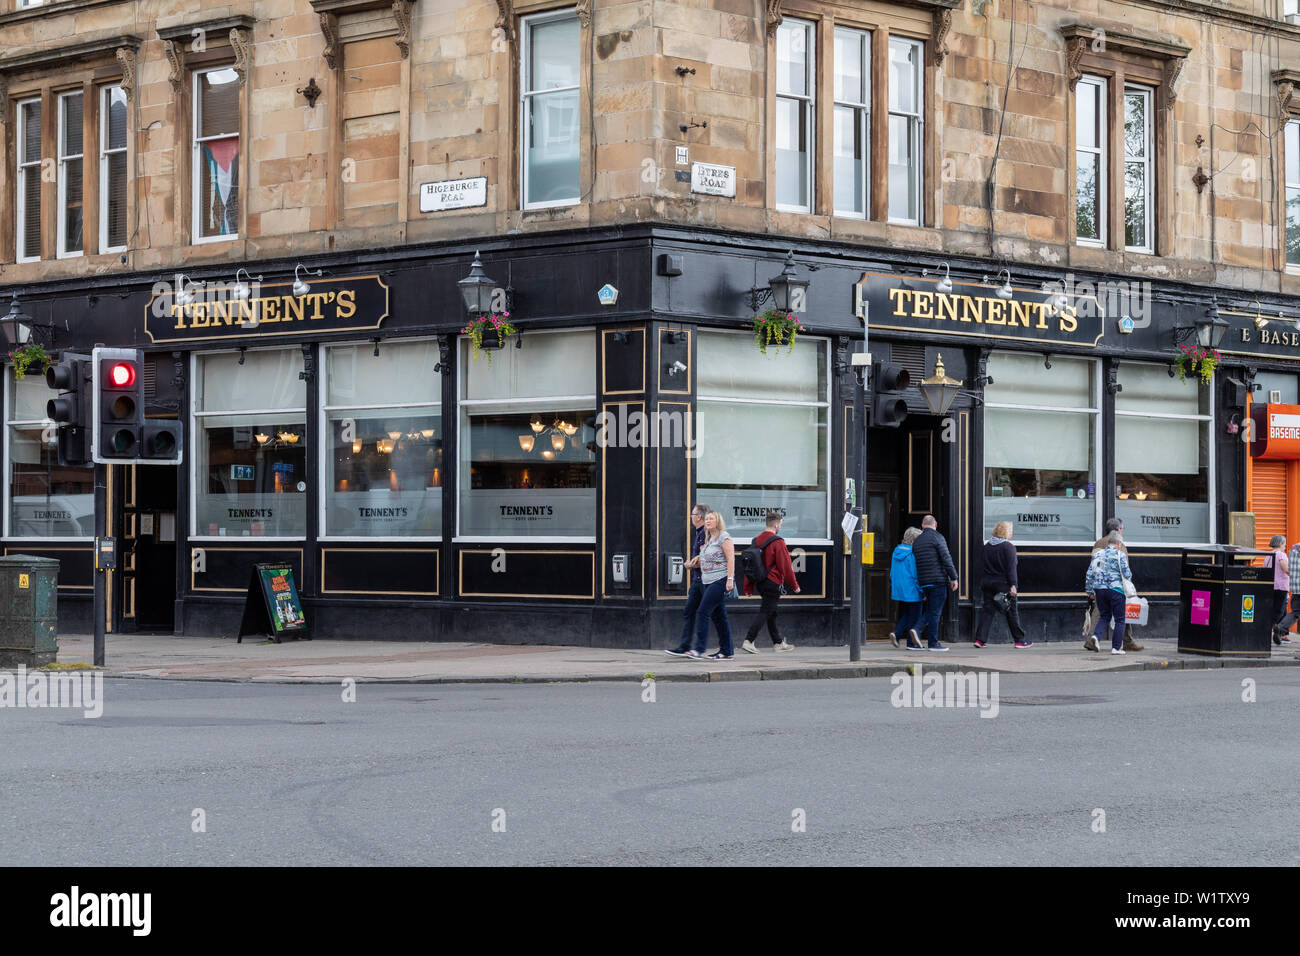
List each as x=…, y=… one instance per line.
x=717, y=562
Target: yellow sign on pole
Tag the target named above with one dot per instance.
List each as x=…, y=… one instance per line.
x=869, y=547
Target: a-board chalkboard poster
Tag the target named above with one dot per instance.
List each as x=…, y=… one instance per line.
x=271, y=606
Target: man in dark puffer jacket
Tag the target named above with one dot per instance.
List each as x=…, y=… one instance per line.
x=936, y=574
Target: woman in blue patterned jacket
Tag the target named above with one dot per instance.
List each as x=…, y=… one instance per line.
x=1105, y=582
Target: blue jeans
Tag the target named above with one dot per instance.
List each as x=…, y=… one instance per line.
x=688, y=614
x=713, y=606
x=911, y=611
x=935, y=597
x=1110, y=604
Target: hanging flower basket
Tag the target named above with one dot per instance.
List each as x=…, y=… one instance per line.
x=1194, y=360
x=776, y=327
x=488, y=333
x=25, y=356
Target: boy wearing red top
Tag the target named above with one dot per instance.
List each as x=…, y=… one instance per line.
x=780, y=572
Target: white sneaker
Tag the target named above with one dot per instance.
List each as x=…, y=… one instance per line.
x=749, y=647
x=1116, y=650
x=785, y=646
x=1090, y=644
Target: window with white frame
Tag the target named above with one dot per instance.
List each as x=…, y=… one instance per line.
x=528, y=439
x=1292, y=150
x=112, y=169
x=1090, y=161
x=1291, y=8
x=250, y=464
x=216, y=154
x=1139, y=169
x=383, y=416
x=795, y=104
x=1163, y=479
x=71, y=173
x=29, y=180
x=23, y=4
x=762, y=435
x=46, y=499
x=852, y=120
x=906, y=79
x=1040, y=447
x=550, y=126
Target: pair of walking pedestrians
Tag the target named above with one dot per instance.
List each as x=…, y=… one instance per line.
x=713, y=583
x=921, y=574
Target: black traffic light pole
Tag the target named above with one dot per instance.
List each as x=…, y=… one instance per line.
x=101, y=524
x=856, y=579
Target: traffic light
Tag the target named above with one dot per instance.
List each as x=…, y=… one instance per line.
x=119, y=405
x=161, y=443
x=888, y=382
x=68, y=410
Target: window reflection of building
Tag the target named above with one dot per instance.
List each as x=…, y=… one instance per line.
x=46, y=499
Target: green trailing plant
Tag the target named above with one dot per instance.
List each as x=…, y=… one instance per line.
x=1194, y=360
x=25, y=356
x=492, y=322
x=776, y=327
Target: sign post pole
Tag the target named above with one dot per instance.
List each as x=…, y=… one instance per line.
x=100, y=602
x=856, y=577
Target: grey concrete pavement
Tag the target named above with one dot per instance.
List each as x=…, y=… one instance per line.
x=215, y=658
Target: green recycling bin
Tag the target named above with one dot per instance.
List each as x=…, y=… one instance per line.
x=29, y=610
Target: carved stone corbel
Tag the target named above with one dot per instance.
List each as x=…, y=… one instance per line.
x=176, y=57
x=126, y=57
x=329, y=26
x=1173, y=70
x=239, y=43
x=939, y=35
x=1074, y=50
x=402, y=14
x=4, y=99
x=1285, y=90
x=583, y=10
x=774, y=16
x=505, y=17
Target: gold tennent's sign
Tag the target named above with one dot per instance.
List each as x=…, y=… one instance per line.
x=219, y=312
x=910, y=304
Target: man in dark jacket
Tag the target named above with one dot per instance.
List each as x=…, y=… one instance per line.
x=696, y=593
x=780, y=573
x=936, y=575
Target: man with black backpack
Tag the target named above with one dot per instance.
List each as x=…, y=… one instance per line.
x=767, y=569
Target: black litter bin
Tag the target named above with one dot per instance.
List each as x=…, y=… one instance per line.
x=29, y=609
x=1227, y=603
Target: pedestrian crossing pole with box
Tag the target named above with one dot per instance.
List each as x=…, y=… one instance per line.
x=856, y=528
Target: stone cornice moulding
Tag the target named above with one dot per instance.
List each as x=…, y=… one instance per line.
x=53, y=9
x=402, y=11
x=1286, y=82
x=182, y=32
x=1079, y=38
x=69, y=53
x=775, y=16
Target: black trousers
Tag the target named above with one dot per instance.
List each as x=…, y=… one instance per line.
x=990, y=609
x=770, y=592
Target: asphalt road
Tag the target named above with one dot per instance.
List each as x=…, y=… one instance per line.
x=1185, y=771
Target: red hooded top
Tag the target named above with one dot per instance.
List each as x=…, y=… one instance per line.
x=777, y=560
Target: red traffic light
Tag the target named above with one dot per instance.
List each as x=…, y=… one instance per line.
x=121, y=375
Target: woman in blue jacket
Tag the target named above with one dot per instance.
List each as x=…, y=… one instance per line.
x=906, y=590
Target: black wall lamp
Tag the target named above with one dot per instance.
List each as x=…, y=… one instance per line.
x=18, y=328
x=476, y=290
x=310, y=92
x=786, y=290
x=1208, y=330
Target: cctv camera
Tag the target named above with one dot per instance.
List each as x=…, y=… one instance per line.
x=676, y=367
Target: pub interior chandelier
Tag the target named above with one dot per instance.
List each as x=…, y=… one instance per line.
x=558, y=431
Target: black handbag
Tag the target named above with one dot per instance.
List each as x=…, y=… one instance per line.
x=1003, y=600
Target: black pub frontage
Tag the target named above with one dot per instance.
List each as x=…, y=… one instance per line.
x=343, y=424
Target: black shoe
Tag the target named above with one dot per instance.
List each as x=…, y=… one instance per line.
x=677, y=652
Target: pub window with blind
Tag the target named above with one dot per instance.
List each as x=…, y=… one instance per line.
x=1040, y=447
x=762, y=437
x=216, y=154
x=1162, y=456
x=385, y=462
x=250, y=445
x=46, y=499
x=528, y=439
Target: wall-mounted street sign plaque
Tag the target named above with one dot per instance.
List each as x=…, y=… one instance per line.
x=712, y=180
x=914, y=304
x=348, y=304
x=453, y=194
